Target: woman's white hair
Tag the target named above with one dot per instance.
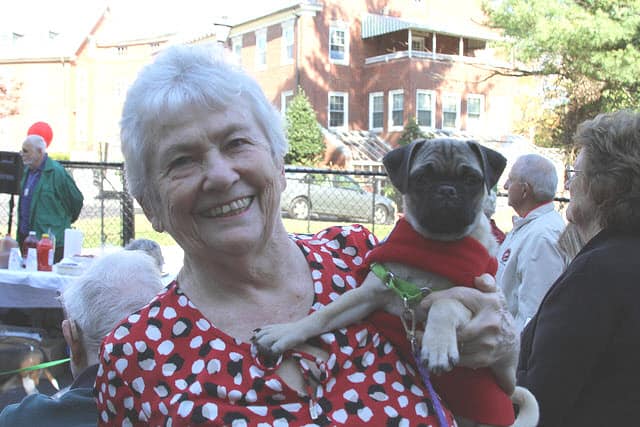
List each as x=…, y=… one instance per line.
x=200, y=76
x=113, y=287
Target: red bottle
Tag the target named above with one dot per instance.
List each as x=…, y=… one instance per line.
x=31, y=241
x=45, y=253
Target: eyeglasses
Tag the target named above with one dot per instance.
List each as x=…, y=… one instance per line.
x=570, y=174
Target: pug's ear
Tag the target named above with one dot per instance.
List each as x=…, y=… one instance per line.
x=398, y=164
x=492, y=162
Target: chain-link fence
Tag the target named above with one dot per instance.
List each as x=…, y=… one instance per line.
x=107, y=216
x=312, y=198
x=354, y=196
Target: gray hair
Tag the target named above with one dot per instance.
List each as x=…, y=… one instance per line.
x=611, y=145
x=540, y=173
x=37, y=142
x=150, y=247
x=113, y=287
x=200, y=76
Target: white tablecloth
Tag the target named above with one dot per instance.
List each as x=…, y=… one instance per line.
x=35, y=289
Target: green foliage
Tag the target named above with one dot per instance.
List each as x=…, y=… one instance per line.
x=306, y=142
x=60, y=156
x=589, y=52
x=411, y=132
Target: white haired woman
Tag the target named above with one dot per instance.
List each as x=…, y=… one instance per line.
x=580, y=352
x=204, y=152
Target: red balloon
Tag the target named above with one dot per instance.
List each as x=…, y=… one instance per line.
x=43, y=129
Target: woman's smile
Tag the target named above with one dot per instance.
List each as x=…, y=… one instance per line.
x=229, y=209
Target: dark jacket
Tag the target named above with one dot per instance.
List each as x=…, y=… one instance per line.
x=580, y=354
x=75, y=408
x=56, y=201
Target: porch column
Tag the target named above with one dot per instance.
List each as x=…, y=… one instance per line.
x=461, y=47
x=433, y=45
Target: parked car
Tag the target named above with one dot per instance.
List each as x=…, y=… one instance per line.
x=340, y=196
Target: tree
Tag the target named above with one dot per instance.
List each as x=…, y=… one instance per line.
x=587, y=50
x=411, y=132
x=306, y=142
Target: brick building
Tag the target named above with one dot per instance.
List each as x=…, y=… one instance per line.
x=370, y=65
x=366, y=65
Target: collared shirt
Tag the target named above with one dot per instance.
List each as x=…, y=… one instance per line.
x=27, y=194
x=529, y=261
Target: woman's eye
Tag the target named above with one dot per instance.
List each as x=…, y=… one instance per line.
x=237, y=143
x=179, y=162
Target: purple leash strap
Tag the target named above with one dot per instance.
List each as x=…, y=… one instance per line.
x=442, y=418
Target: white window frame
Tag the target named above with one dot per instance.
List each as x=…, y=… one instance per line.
x=261, y=36
x=372, y=97
x=432, y=107
x=283, y=101
x=345, y=96
x=457, y=104
x=339, y=26
x=236, y=48
x=287, y=40
x=391, y=127
x=475, y=123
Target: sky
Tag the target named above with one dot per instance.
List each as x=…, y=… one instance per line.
x=63, y=15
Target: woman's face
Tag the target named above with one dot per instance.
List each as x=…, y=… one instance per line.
x=579, y=210
x=218, y=186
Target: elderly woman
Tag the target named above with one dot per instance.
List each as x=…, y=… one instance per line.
x=580, y=352
x=204, y=154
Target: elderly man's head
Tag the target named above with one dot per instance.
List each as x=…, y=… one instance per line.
x=114, y=286
x=532, y=181
x=34, y=148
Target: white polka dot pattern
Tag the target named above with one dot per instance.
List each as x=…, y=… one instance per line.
x=168, y=365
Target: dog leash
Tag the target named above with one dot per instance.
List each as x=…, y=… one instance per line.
x=410, y=293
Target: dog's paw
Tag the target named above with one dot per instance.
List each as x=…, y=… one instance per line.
x=275, y=339
x=439, y=355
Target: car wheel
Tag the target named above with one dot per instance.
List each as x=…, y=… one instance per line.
x=381, y=215
x=299, y=208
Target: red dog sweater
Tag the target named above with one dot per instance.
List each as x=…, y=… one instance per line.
x=471, y=393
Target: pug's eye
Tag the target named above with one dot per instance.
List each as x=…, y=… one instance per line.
x=471, y=180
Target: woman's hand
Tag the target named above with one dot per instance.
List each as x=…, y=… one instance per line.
x=490, y=337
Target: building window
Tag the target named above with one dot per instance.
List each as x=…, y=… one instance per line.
x=376, y=111
x=450, y=111
x=236, y=48
x=261, y=49
x=338, y=110
x=425, y=108
x=285, y=99
x=121, y=50
x=339, y=44
x=475, y=109
x=287, y=42
x=396, y=110
x=417, y=43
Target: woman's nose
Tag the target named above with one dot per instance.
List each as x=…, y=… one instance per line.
x=219, y=172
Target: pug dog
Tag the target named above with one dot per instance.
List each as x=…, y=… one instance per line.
x=444, y=240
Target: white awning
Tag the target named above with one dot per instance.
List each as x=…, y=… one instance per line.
x=377, y=25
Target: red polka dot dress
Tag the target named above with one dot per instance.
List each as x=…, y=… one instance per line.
x=167, y=365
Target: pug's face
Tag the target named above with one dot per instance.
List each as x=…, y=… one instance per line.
x=444, y=183
x=446, y=187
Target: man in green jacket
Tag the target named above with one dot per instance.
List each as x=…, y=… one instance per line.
x=50, y=201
